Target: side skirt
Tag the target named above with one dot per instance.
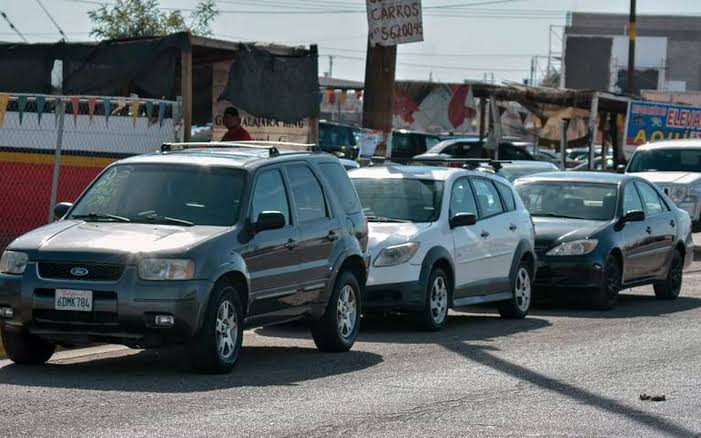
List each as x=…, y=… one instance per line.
x=468, y=301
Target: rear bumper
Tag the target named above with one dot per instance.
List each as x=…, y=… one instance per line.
x=123, y=311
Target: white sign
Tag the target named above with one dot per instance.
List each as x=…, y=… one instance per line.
x=392, y=22
x=369, y=140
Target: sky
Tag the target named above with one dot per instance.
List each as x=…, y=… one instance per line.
x=495, y=38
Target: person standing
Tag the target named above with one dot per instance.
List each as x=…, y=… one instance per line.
x=232, y=121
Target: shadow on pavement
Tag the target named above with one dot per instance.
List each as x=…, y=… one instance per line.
x=168, y=370
x=482, y=356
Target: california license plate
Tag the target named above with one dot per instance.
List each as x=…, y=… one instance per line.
x=71, y=299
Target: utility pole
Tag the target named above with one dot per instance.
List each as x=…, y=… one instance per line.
x=331, y=57
x=632, y=33
x=378, y=102
x=532, y=79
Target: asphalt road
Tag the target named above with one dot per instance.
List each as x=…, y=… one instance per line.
x=565, y=370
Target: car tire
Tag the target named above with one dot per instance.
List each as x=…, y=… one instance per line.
x=337, y=329
x=217, y=346
x=435, y=312
x=522, y=294
x=606, y=295
x=670, y=287
x=26, y=349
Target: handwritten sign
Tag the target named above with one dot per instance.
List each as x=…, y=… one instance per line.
x=392, y=22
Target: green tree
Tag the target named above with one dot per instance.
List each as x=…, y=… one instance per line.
x=138, y=18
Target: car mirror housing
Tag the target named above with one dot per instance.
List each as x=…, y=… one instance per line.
x=631, y=216
x=269, y=220
x=621, y=168
x=463, y=220
x=61, y=209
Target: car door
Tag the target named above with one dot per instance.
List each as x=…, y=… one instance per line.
x=271, y=259
x=634, y=236
x=493, y=228
x=659, y=230
x=469, y=249
x=319, y=231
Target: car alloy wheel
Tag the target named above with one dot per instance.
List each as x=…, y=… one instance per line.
x=439, y=300
x=347, y=309
x=227, y=330
x=522, y=289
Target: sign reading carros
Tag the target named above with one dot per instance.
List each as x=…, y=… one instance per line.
x=392, y=22
x=651, y=121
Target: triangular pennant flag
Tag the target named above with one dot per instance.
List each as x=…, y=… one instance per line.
x=358, y=94
x=121, y=103
x=21, y=105
x=149, y=110
x=91, y=107
x=134, y=111
x=75, y=103
x=332, y=96
x=342, y=98
x=161, y=113
x=108, y=109
x=4, y=99
x=40, y=103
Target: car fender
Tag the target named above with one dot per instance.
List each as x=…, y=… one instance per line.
x=234, y=264
x=524, y=247
x=432, y=256
x=352, y=248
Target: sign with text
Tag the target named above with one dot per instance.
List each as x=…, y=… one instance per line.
x=650, y=122
x=392, y=22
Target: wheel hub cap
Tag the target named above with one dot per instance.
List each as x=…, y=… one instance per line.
x=523, y=289
x=347, y=311
x=227, y=330
x=439, y=300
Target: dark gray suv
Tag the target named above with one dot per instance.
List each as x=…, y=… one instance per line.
x=191, y=245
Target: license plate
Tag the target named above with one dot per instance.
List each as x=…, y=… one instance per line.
x=71, y=299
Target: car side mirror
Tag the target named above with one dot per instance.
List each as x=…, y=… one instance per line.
x=462, y=220
x=631, y=216
x=621, y=168
x=269, y=220
x=61, y=209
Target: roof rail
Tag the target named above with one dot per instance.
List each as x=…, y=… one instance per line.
x=467, y=163
x=272, y=147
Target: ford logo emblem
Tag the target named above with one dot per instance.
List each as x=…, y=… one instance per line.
x=79, y=272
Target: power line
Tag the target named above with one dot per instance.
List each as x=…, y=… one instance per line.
x=441, y=67
x=52, y=20
x=12, y=26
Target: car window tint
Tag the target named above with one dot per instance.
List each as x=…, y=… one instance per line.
x=631, y=200
x=650, y=198
x=432, y=141
x=401, y=143
x=507, y=195
x=307, y=193
x=508, y=152
x=341, y=185
x=270, y=195
x=461, y=198
x=487, y=197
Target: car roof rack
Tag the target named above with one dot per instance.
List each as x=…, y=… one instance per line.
x=272, y=147
x=467, y=163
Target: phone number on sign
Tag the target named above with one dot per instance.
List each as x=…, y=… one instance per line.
x=399, y=31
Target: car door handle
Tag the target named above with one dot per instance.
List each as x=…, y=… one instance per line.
x=648, y=230
x=484, y=234
x=332, y=236
x=513, y=227
x=291, y=244
x=671, y=223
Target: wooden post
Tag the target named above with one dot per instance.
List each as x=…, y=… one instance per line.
x=186, y=91
x=613, y=129
x=564, y=126
x=496, y=119
x=314, y=130
x=593, y=128
x=483, y=118
x=378, y=100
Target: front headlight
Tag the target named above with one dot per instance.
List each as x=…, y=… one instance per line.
x=677, y=193
x=576, y=247
x=166, y=269
x=13, y=262
x=397, y=254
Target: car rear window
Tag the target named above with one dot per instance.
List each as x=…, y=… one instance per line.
x=341, y=185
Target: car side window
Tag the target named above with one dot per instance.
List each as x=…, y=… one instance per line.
x=652, y=202
x=487, y=197
x=631, y=200
x=461, y=198
x=431, y=142
x=307, y=194
x=507, y=195
x=270, y=195
x=341, y=185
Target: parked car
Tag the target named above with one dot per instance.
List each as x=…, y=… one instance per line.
x=349, y=164
x=405, y=144
x=442, y=238
x=675, y=166
x=470, y=148
x=339, y=139
x=156, y=252
x=584, y=166
x=512, y=170
x=603, y=232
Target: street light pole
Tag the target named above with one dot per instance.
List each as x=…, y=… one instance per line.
x=632, y=33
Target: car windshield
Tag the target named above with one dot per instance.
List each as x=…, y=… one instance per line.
x=515, y=172
x=568, y=199
x=399, y=199
x=666, y=160
x=171, y=194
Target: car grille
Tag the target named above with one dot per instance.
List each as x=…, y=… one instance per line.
x=95, y=272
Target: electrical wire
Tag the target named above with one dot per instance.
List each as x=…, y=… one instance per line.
x=12, y=26
x=41, y=5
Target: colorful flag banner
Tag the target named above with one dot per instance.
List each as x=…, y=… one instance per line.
x=40, y=103
x=75, y=103
x=342, y=98
x=359, y=94
x=91, y=108
x=121, y=103
x=108, y=109
x=21, y=105
x=161, y=113
x=135, y=104
x=332, y=96
x=4, y=99
x=149, y=110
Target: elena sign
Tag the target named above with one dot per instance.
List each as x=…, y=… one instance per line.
x=392, y=22
x=651, y=121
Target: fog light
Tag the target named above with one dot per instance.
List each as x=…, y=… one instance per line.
x=165, y=320
x=7, y=312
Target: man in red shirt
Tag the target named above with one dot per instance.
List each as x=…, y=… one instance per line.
x=232, y=121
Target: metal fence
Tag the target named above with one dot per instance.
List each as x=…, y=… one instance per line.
x=51, y=147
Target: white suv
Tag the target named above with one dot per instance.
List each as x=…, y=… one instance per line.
x=444, y=237
x=675, y=166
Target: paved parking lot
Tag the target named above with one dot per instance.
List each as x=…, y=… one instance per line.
x=563, y=371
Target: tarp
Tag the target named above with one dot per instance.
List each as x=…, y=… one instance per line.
x=433, y=107
x=282, y=87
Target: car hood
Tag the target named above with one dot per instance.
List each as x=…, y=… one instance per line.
x=670, y=177
x=118, y=240
x=383, y=234
x=551, y=231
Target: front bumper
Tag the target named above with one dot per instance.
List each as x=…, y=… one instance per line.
x=402, y=297
x=569, y=272
x=123, y=311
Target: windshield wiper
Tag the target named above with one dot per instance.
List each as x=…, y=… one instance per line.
x=153, y=217
x=555, y=215
x=100, y=216
x=386, y=219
